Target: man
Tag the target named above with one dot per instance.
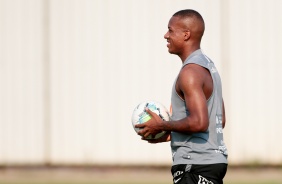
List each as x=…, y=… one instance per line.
x=198, y=115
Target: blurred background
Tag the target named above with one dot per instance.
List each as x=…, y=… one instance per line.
x=72, y=71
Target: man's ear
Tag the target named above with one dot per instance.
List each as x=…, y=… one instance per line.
x=187, y=35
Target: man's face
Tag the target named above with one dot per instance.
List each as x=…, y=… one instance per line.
x=175, y=36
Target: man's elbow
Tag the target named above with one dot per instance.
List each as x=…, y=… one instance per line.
x=202, y=125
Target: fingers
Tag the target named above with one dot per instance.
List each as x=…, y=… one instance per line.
x=147, y=126
x=144, y=133
x=141, y=132
x=142, y=125
x=147, y=134
x=149, y=111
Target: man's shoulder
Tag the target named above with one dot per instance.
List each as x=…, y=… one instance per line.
x=192, y=71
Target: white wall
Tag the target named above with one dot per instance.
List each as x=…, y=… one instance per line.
x=21, y=82
x=73, y=70
x=254, y=82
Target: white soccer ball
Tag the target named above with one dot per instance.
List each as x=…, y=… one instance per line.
x=140, y=115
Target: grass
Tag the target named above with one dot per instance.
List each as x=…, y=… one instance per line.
x=16, y=181
x=122, y=182
x=264, y=182
x=126, y=176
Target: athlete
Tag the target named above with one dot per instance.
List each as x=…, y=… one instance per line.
x=198, y=115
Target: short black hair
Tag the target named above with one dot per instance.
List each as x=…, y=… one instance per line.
x=193, y=15
x=189, y=13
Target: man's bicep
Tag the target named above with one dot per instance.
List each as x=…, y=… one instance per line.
x=191, y=87
x=191, y=84
x=195, y=99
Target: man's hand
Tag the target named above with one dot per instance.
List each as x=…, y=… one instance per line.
x=151, y=127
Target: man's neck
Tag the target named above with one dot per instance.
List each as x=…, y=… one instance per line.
x=185, y=55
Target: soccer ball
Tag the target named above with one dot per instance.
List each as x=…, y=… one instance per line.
x=140, y=115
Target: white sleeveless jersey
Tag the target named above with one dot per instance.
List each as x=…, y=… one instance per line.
x=206, y=147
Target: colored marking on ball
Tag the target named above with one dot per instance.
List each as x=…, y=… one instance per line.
x=144, y=118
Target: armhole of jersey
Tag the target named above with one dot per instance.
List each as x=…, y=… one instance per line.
x=213, y=81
